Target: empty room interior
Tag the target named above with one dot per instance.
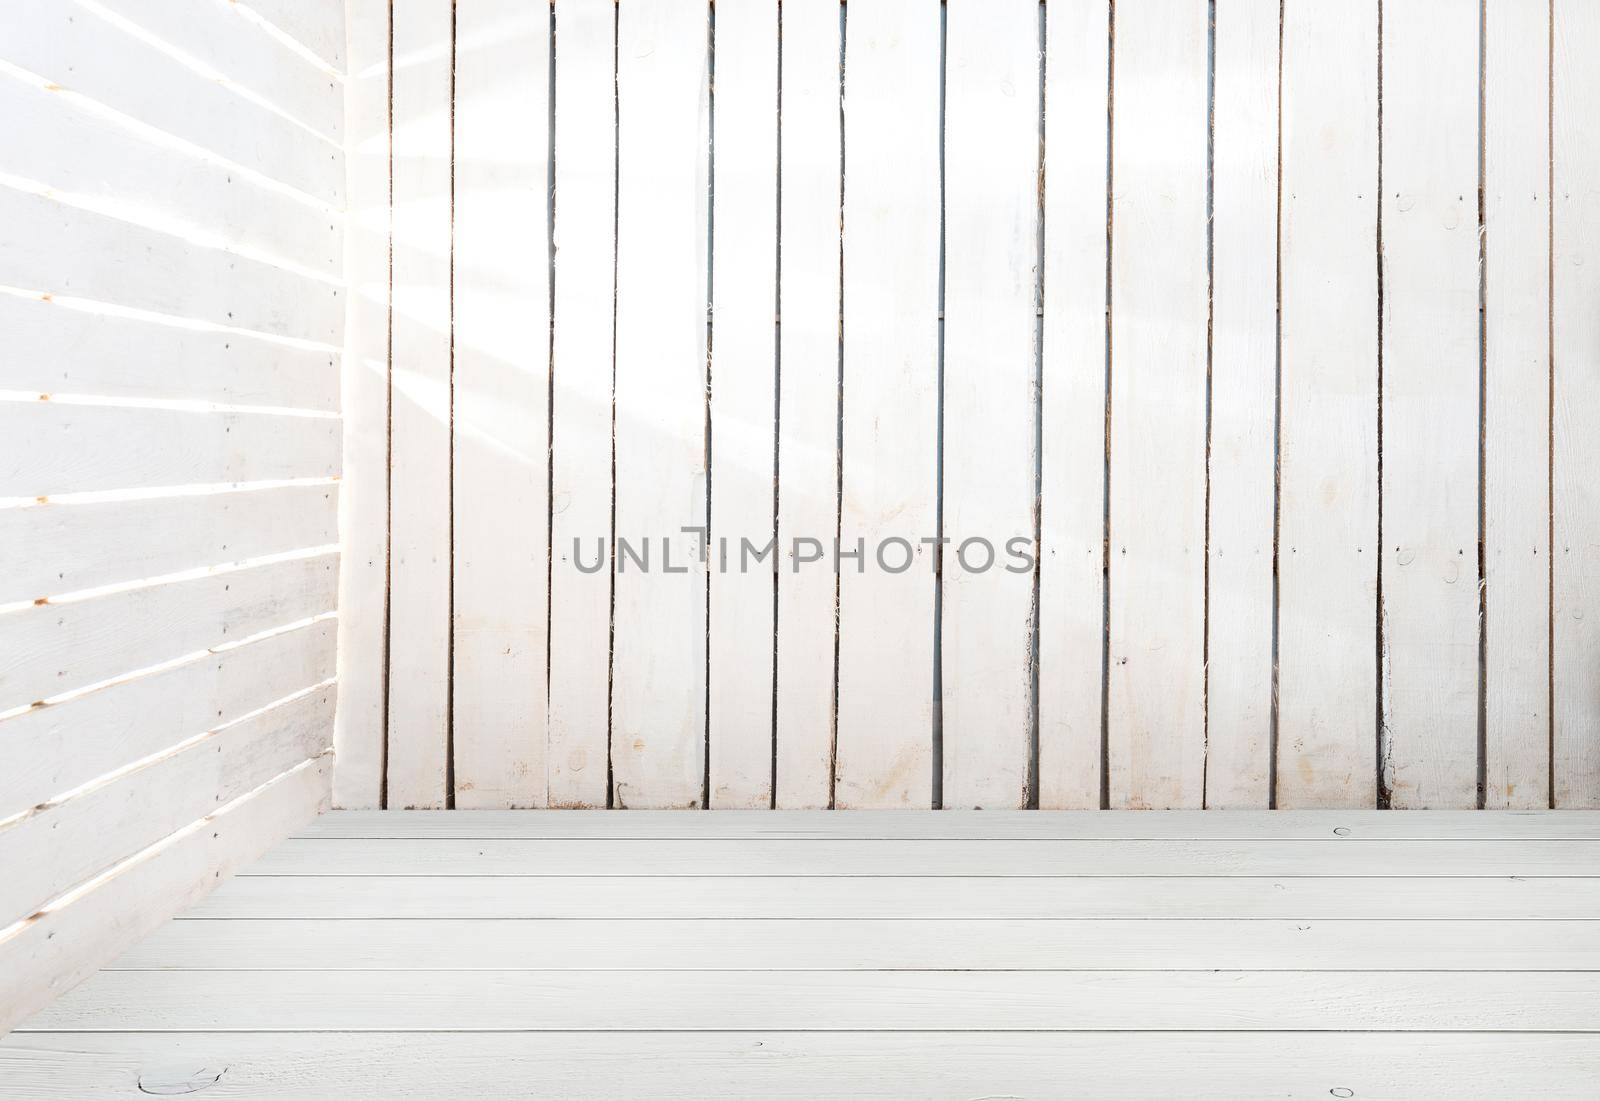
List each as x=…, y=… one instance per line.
x=797, y=549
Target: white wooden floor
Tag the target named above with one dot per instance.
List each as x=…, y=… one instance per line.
x=1219, y=955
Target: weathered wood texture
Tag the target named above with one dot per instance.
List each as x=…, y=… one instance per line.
x=422, y=406
x=889, y=436
x=990, y=385
x=501, y=450
x=797, y=1066
x=1408, y=1001
x=583, y=242
x=1073, y=375
x=808, y=400
x=171, y=182
x=743, y=391
x=1239, y=527
x=367, y=378
x=1431, y=404
x=1575, y=450
x=1116, y=295
x=1418, y=955
x=1516, y=407
x=658, y=675
x=64, y=944
x=1327, y=546
x=1155, y=705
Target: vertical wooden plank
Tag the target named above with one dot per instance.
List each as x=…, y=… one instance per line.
x=891, y=365
x=1576, y=450
x=1243, y=406
x=1155, y=713
x=502, y=379
x=743, y=396
x=364, y=494
x=808, y=409
x=420, y=510
x=581, y=370
x=991, y=255
x=1516, y=404
x=659, y=670
x=1328, y=441
x=1073, y=397
x=1430, y=403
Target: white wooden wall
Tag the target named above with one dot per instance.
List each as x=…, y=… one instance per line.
x=1271, y=330
x=172, y=190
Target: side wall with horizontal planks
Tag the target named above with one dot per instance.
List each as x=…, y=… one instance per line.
x=172, y=242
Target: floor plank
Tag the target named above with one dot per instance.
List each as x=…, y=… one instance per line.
x=826, y=1001
x=1202, y=1066
x=1215, y=825
x=1016, y=857
x=863, y=955
x=890, y=944
x=606, y=897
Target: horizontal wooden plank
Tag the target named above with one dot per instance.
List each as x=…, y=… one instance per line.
x=242, y=53
x=52, y=750
x=58, y=447
x=53, y=951
x=1026, y=857
x=92, y=831
x=67, y=547
x=1156, y=944
x=881, y=1066
x=52, y=348
x=54, y=648
x=318, y=28
x=51, y=40
x=1219, y=825
x=612, y=1001
x=604, y=897
x=44, y=243
x=51, y=139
